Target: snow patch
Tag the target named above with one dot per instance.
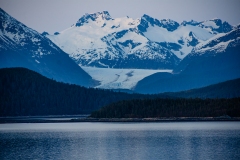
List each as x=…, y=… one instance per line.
x=220, y=47
x=211, y=24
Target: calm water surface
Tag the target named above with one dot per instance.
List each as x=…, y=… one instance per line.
x=113, y=141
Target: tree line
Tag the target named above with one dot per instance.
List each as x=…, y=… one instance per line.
x=166, y=107
x=25, y=92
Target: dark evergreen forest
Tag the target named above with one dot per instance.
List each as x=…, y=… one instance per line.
x=160, y=107
x=25, y=92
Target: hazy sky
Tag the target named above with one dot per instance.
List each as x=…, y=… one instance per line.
x=57, y=15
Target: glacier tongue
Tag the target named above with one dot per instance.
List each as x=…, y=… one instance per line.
x=111, y=78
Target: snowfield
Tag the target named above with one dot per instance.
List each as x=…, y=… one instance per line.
x=97, y=38
x=111, y=78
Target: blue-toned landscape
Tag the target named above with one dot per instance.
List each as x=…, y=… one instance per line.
x=179, y=140
x=82, y=80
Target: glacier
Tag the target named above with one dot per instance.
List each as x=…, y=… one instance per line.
x=115, y=78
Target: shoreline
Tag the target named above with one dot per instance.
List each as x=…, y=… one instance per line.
x=69, y=120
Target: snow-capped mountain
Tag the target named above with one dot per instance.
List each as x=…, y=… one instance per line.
x=21, y=46
x=200, y=53
x=214, y=26
x=216, y=60
x=148, y=43
x=224, y=45
x=98, y=40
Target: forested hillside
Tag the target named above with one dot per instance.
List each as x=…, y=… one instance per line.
x=25, y=92
x=151, y=108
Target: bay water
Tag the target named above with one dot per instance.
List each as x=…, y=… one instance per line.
x=115, y=141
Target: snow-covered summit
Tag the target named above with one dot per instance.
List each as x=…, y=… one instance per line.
x=94, y=16
x=216, y=26
x=147, y=21
x=169, y=24
x=101, y=41
x=21, y=46
x=15, y=35
x=219, y=43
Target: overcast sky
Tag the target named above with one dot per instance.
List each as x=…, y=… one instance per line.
x=57, y=15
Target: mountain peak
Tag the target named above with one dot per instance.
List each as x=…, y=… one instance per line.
x=168, y=24
x=3, y=14
x=149, y=19
x=216, y=25
x=238, y=26
x=2, y=11
x=146, y=16
x=45, y=33
x=104, y=15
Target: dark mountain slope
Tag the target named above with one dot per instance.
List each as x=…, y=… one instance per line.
x=21, y=46
x=228, y=89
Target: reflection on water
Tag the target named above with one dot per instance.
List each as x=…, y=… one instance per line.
x=180, y=140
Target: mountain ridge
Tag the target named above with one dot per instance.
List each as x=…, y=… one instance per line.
x=227, y=89
x=203, y=66
x=22, y=46
x=112, y=43
x=197, y=52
